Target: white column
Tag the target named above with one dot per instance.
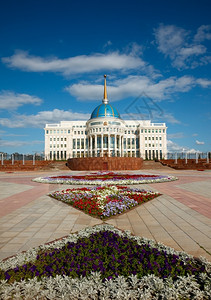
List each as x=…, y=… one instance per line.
x=12, y=159
x=207, y=157
x=23, y=160
x=135, y=145
x=90, y=146
x=95, y=145
x=2, y=158
x=186, y=158
x=196, y=158
x=34, y=159
x=131, y=147
x=176, y=158
x=108, y=145
x=102, y=145
x=115, y=145
x=120, y=145
x=126, y=146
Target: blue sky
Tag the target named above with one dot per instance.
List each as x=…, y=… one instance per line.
x=53, y=55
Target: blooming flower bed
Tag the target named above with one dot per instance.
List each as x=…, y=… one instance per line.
x=103, y=262
x=100, y=178
x=104, y=201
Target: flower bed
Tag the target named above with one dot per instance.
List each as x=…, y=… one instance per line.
x=103, y=262
x=104, y=201
x=100, y=178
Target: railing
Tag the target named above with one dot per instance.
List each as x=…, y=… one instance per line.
x=20, y=157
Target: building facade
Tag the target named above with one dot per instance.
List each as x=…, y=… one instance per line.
x=105, y=134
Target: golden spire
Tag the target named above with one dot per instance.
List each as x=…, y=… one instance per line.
x=105, y=99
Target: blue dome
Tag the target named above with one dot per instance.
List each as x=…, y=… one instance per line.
x=104, y=110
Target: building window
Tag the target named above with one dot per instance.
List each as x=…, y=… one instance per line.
x=145, y=138
x=61, y=139
x=141, y=130
x=99, y=142
x=73, y=143
x=50, y=139
x=112, y=142
x=57, y=131
x=159, y=130
x=145, y=131
x=105, y=142
x=61, y=145
x=156, y=138
x=153, y=138
x=163, y=130
x=46, y=131
x=78, y=132
x=160, y=138
x=50, y=131
x=74, y=132
x=65, y=145
x=82, y=144
x=68, y=131
x=78, y=143
x=65, y=139
x=54, y=139
x=149, y=131
x=57, y=139
x=149, y=137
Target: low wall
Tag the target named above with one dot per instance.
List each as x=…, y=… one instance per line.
x=104, y=163
x=190, y=165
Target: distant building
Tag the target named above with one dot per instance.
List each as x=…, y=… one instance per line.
x=105, y=134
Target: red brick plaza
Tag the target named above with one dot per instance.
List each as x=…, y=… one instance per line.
x=180, y=218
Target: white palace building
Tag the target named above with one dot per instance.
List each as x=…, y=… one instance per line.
x=105, y=134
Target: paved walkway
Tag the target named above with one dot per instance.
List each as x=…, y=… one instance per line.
x=180, y=218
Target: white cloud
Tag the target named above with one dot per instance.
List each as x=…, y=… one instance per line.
x=174, y=147
x=205, y=83
x=75, y=65
x=15, y=144
x=11, y=101
x=39, y=120
x=135, y=86
x=203, y=33
x=195, y=134
x=178, y=135
x=174, y=42
x=199, y=143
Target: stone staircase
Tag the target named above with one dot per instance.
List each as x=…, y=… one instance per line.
x=152, y=165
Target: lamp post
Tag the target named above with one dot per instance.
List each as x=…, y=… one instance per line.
x=176, y=158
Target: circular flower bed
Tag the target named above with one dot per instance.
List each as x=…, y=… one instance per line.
x=104, y=263
x=104, y=201
x=105, y=178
